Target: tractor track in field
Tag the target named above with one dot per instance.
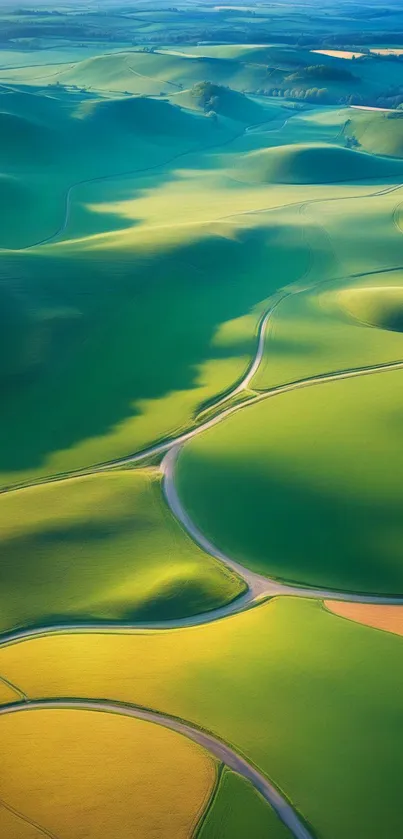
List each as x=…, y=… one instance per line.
x=28, y=821
x=216, y=747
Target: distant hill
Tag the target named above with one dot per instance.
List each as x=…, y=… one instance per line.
x=222, y=101
x=377, y=131
x=313, y=164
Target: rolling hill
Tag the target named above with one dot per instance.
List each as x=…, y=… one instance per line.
x=313, y=163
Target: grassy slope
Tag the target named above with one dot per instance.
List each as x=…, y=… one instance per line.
x=380, y=133
x=238, y=810
x=309, y=697
x=102, y=547
x=315, y=163
x=302, y=459
x=139, y=779
x=312, y=333
x=377, y=306
x=48, y=144
x=87, y=303
x=116, y=378
x=137, y=72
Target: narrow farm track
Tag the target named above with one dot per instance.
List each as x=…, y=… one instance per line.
x=28, y=821
x=13, y=687
x=222, y=751
x=114, y=176
x=260, y=587
x=138, y=171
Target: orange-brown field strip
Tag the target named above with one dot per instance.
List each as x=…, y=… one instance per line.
x=389, y=618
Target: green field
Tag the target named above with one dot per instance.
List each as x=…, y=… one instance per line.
x=288, y=487
x=96, y=381
x=102, y=547
x=201, y=303
x=238, y=810
x=343, y=328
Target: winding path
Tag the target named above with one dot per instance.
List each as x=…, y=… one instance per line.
x=260, y=588
x=216, y=747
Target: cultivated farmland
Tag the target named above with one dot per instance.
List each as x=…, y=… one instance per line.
x=201, y=369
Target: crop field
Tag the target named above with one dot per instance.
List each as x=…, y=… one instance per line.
x=303, y=454
x=201, y=370
x=250, y=679
x=115, y=547
x=155, y=781
x=238, y=809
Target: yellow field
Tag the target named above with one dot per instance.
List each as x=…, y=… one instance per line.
x=7, y=694
x=83, y=774
x=13, y=827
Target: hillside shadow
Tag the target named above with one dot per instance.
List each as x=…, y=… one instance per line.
x=146, y=325
x=276, y=521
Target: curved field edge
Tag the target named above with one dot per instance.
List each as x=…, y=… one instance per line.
x=157, y=782
x=301, y=460
x=237, y=679
x=212, y=745
x=159, y=396
x=384, y=618
x=238, y=809
x=115, y=546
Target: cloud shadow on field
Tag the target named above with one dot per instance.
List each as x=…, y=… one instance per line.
x=147, y=323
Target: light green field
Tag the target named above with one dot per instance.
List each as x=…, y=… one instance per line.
x=321, y=332
x=139, y=72
x=379, y=306
x=238, y=810
x=380, y=133
x=306, y=486
x=102, y=547
x=309, y=697
x=313, y=332
x=315, y=163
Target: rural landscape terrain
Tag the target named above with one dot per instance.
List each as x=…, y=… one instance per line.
x=201, y=459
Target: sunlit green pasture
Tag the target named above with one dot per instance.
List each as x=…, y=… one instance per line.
x=305, y=486
x=102, y=547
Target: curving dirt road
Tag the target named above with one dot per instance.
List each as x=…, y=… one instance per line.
x=222, y=751
x=260, y=587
